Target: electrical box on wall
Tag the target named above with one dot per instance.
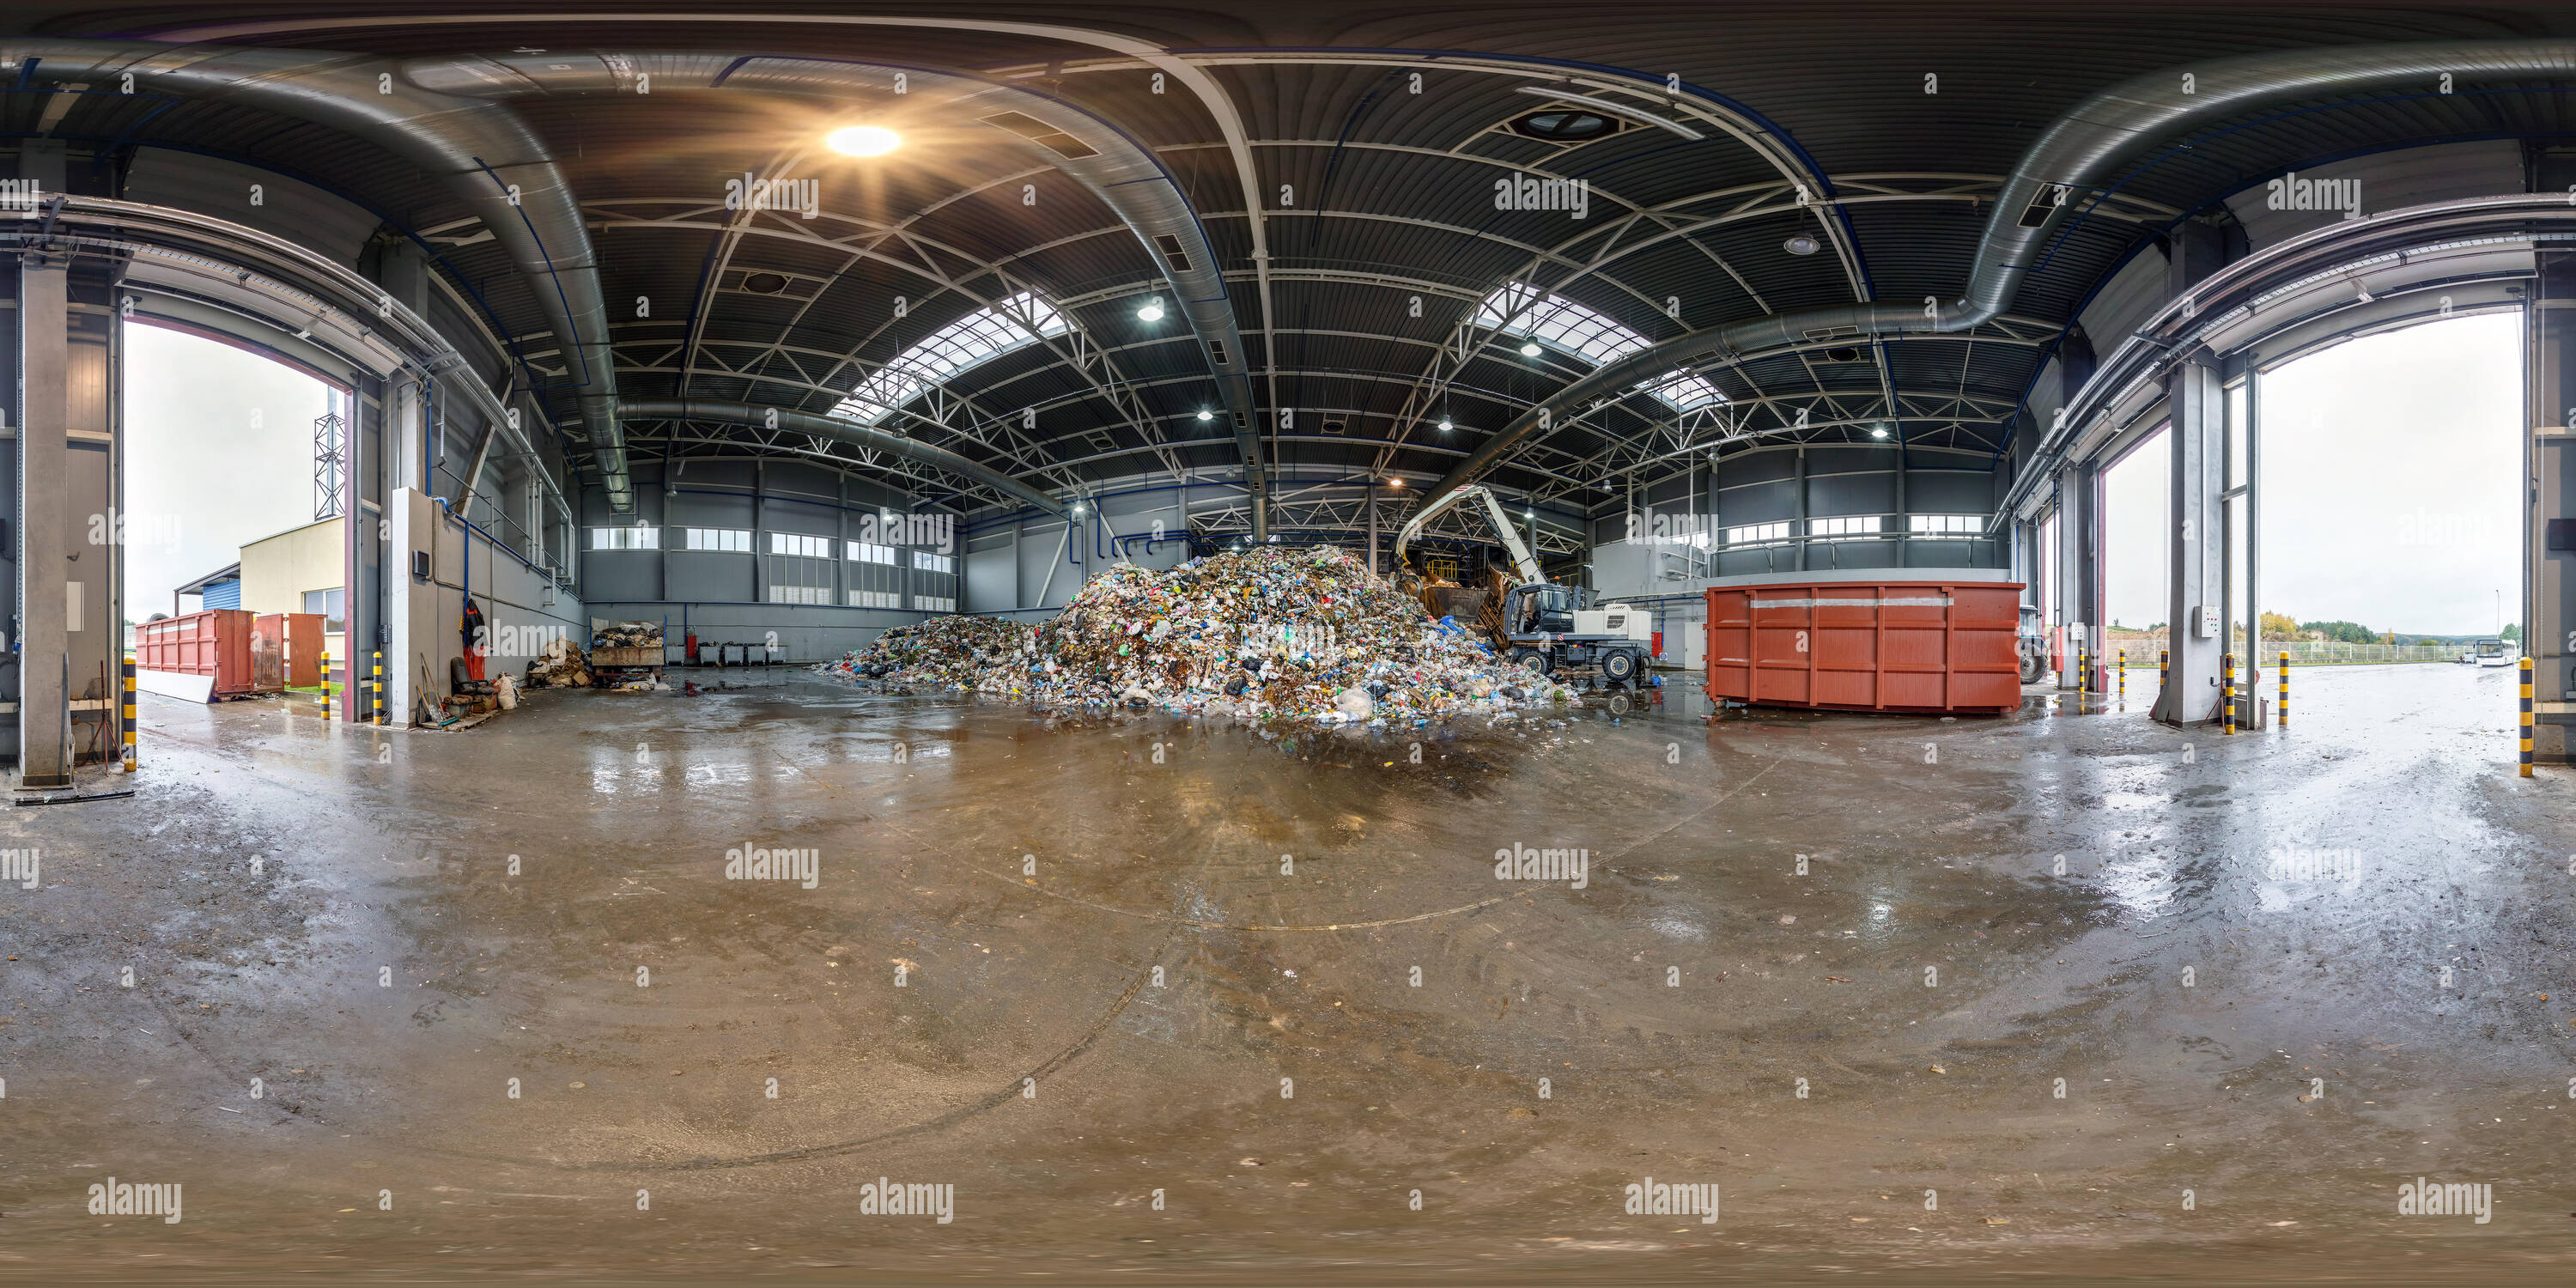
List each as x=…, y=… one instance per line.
x=420, y=565
x=2204, y=622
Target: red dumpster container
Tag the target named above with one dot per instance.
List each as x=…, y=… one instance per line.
x=285, y=651
x=214, y=643
x=1909, y=646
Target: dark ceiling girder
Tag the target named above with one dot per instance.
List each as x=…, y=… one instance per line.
x=847, y=431
x=488, y=158
x=2073, y=157
x=1122, y=173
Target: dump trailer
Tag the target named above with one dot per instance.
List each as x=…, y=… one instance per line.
x=1552, y=629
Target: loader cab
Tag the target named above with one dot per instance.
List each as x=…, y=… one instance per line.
x=1542, y=609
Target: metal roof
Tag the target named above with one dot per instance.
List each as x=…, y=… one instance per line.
x=1375, y=133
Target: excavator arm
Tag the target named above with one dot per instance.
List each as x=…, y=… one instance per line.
x=1522, y=562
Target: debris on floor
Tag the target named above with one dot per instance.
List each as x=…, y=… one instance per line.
x=562, y=666
x=941, y=653
x=1307, y=636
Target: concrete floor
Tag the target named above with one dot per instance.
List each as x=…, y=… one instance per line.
x=271, y=868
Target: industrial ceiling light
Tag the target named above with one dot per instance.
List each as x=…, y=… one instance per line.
x=1205, y=414
x=863, y=140
x=1878, y=431
x=1801, y=244
x=1152, y=312
x=1444, y=425
x=1530, y=350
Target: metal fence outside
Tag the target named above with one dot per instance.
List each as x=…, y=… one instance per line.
x=2142, y=651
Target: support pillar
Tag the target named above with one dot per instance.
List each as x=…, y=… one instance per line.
x=2075, y=594
x=45, y=585
x=1372, y=526
x=2549, y=561
x=2196, y=399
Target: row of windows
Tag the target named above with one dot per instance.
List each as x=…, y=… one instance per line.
x=738, y=540
x=862, y=598
x=1860, y=525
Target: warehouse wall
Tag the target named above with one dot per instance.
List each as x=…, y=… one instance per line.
x=1026, y=566
x=1650, y=549
x=748, y=591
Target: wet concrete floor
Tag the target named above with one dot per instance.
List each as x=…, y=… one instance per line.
x=1166, y=1000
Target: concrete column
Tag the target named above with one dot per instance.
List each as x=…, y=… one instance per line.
x=1372, y=526
x=2549, y=560
x=44, y=523
x=2197, y=402
x=2077, y=578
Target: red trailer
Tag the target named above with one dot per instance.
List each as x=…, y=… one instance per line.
x=203, y=655
x=1898, y=646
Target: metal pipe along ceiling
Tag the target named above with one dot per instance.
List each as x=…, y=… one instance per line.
x=487, y=157
x=848, y=431
x=2077, y=152
x=1122, y=173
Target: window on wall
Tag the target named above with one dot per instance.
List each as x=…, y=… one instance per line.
x=935, y=603
x=1746, y=534
x=868, y=552
x=1961, y=525
x=928, y=562
x=738, y=539
x=628, y=537
x=800, y=546
x=779, y=594
x=875, y=599
x=1857, y=525
x=328, y=604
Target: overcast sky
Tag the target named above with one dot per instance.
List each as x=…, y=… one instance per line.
x=2390, y=469
x=219, y=448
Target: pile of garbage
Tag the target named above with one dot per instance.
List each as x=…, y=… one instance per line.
x=1304, y=636
x=562, y=666
x=942, y=653
x=630, y=635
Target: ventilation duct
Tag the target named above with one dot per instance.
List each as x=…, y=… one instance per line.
x=487, y=157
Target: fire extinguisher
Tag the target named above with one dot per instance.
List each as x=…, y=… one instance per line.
x=692, y=653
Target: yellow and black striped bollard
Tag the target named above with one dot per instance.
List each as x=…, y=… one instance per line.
x=2124, y=676
x=326, y=686
x=2083, y=668
x=128, y=724
x=2283, y=714
x=2526, y=717
x=2162, y=655
x=376, y=687
x=2227, y=692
